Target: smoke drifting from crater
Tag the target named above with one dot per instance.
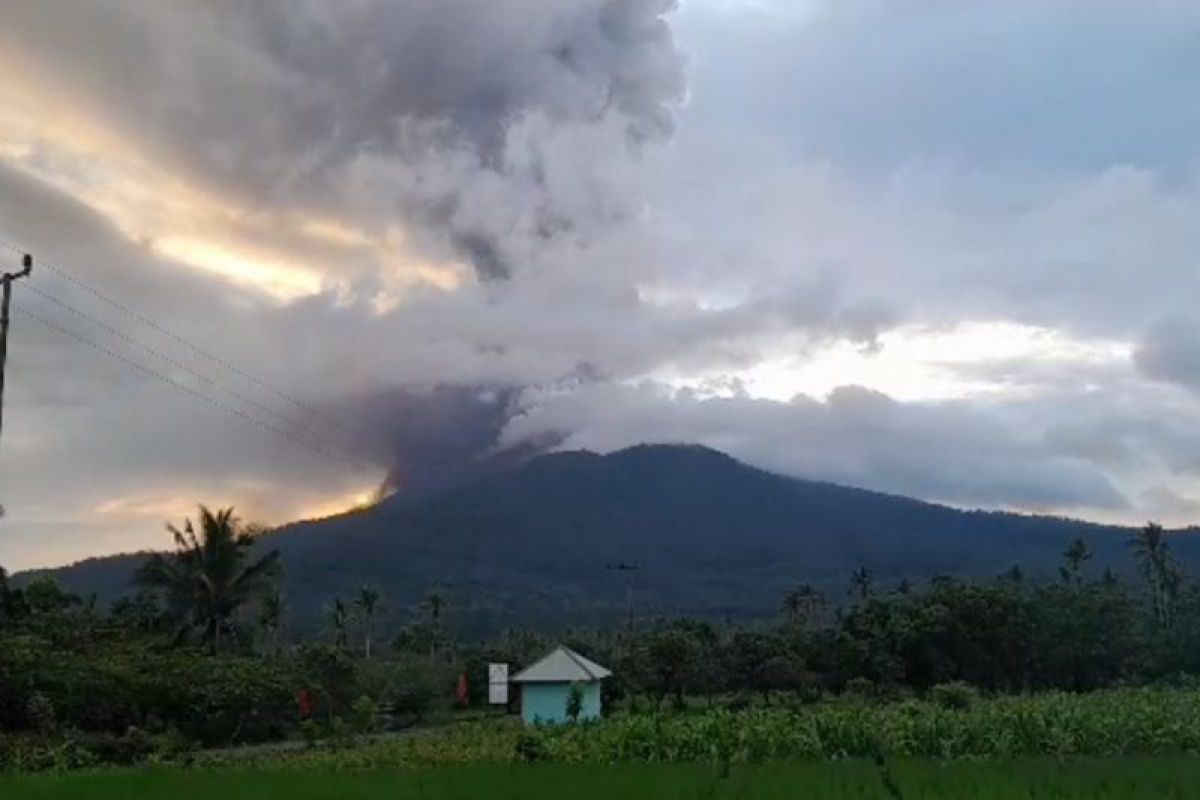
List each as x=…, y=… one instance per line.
x=433, y=437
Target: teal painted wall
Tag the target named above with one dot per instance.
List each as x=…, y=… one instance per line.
x=546, y=703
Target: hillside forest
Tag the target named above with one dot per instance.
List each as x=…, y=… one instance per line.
x=197, y=655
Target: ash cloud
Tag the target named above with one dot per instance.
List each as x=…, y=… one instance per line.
x=435, y=436
x=444, y=111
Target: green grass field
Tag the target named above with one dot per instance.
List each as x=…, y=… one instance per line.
x=988, y=780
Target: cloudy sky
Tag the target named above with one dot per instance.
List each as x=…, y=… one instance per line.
x=287, y=249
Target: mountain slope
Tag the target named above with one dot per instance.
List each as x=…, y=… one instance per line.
x=708, y=534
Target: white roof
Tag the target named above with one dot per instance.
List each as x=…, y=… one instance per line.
x=562, y=665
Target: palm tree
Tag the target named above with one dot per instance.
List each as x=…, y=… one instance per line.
x=1162, y=574
x=801, y=601
x=209, y=577
x=1074, y=556
x=1013, y=574
x=339, y=617
x=792, y=603
x=367, y=602
x=860, y=583
x=435, y=603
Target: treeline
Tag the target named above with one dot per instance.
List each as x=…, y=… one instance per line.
x=1086, y=631
x=198, y=656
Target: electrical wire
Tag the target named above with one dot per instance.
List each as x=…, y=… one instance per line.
x=179, y=365
x=195, y=348
x=155, y=375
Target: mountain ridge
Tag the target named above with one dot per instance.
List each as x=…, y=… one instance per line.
x=710, y=535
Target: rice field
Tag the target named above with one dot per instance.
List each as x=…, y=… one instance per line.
x=987, y=780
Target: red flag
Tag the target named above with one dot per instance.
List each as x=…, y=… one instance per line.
x=464, y=695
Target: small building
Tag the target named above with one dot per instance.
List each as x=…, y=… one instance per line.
x=546, y=687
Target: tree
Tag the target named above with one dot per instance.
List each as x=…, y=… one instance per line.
x=574, y=702
x=792, y=605
x=801, y=602
x=1162, y=573
x=414, y=688
x=270, y=619
x=210, y=576
x=339, y=619
x=747, y=655
x=1014, y=575
x=860, y=583
x=140, y=612
x=419, y=637
x=1074, y=556
x=670, y=661
x=367, y=602
x=12, y=601
x=435, y=603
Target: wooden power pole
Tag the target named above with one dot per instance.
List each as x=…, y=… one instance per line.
x=6, y=282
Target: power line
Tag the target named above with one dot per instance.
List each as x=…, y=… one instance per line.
x=174, y=362
x=67, y=276
x=184, y=387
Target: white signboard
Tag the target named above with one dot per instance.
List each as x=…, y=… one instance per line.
x=498, y=684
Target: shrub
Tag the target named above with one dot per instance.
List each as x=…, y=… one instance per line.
x=333, y=673
x=39, y=713
x=863, y=688
x=218, y=701
x=363, y=717
x=119, y=685
x=134, y=746
x=574, y=702
x=34, y=753
x=954, y=695
x=530, y=747
x=311, y=732
x=414, y=688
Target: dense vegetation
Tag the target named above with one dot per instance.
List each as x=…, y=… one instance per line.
x=197, y=657
x=950, y=724
x=711, y=537
x=1004, y=780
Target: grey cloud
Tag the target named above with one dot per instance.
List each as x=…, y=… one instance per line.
x=950, y=451
x=1099, y=255
x=1171, y=503
x=1170, y=352
x=1026, y=160
x=1140, y=438
x=1072, y=84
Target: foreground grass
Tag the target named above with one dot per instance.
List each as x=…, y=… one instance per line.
x=993, y=780
x=1127, y=723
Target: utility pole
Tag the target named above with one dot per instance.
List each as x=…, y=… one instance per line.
x=6, y=282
